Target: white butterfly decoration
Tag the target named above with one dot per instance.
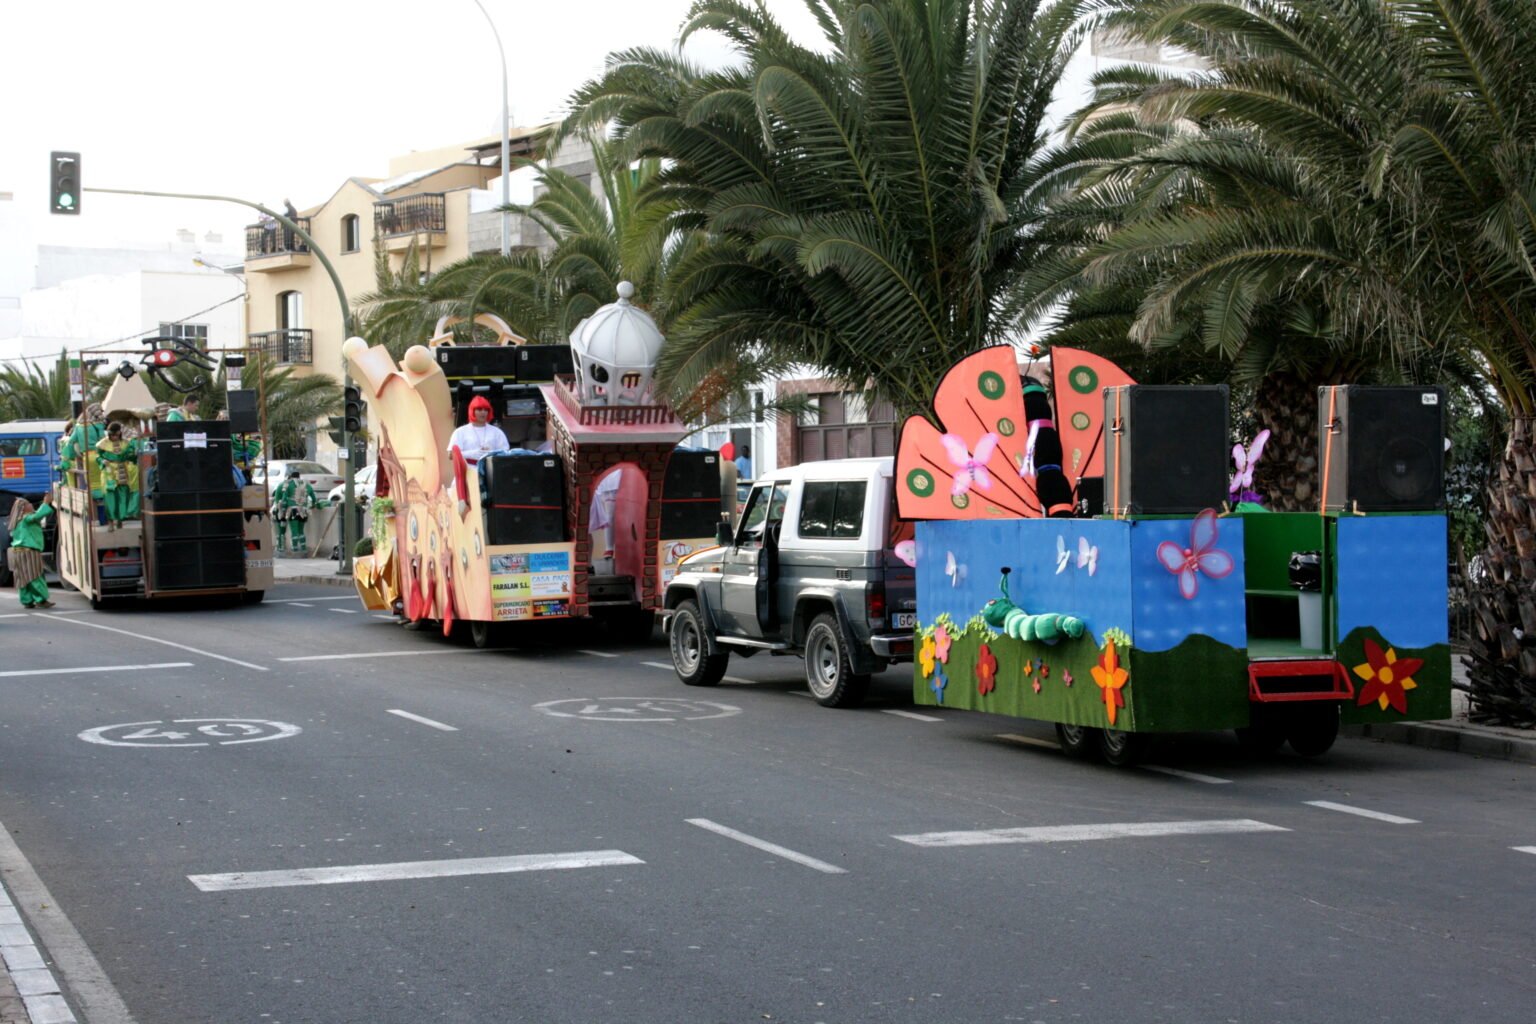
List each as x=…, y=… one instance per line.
x=1087, y=556
x=1063, y=556
x=954, y=571
x=969, y=469
x=1246, y=460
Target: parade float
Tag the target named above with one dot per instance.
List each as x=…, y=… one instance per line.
x=1177, y=606
x=586, y=514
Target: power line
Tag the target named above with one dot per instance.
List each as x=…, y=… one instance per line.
x=131, y=337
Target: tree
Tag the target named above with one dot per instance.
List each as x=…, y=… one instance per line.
x=292, y=404
x=30, y=392
x=864, y=207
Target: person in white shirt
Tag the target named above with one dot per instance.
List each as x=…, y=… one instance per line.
x=475, y=440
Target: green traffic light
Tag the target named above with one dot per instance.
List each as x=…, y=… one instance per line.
x=66, y=200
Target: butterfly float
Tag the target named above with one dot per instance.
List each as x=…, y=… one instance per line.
x=1241, y=488
x=1202, y=557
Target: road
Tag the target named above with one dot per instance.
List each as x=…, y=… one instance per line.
x=377, y=826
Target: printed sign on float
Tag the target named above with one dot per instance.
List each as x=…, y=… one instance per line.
x=531, y=584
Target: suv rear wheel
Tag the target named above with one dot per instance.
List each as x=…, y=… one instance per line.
x=828, y=674
x=690, y=648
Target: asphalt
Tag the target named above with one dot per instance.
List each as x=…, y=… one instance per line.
x=1453, y=734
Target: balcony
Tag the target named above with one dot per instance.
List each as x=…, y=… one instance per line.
x=294, y=347
x=272, y=247
x=422, y=218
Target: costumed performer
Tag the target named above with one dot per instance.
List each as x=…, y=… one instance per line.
x=187, y=410
x=474, y=441
x=25, y=554
x=119, y=460
x=80, y=449
x=1042, y=451
x=291, y=503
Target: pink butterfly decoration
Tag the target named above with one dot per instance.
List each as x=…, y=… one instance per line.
x=969, y=469
x=906, y=550
x=1202, y=556
x=1245, y=460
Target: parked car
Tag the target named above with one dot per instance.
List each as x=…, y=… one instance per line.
x=312, y=473
x=364, y=485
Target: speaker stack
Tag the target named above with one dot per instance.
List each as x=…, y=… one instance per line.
x=1166, y=450
x=243, y=418
x=538, y=364
x=526, y=498
x=690, y=494
x=1381, y=449
x=193, y=517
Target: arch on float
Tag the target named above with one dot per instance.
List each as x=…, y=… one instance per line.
x=442, y=334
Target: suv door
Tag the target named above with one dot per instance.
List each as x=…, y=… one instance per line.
x=749, y=567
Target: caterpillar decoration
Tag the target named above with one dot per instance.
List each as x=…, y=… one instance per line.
x=1003, y=615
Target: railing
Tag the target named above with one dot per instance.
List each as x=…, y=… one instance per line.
x=608, y=415
x=425, y=212
x=274, y=239
x=293, y=347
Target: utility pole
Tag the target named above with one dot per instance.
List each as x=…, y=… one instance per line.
x=506, y=142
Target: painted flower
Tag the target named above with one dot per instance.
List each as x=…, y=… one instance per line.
x=1388, y=678
x=1066, y=676
x=941, y=642
x=937, y=684
x=925, y=656
x=1036, y=685
x=986, y=671
x=1111, y=679
x=1045, y=670
x=1029, y=666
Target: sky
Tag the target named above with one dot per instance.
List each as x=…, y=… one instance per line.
x=276, y=99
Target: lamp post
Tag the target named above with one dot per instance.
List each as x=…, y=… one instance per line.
x=506, y=141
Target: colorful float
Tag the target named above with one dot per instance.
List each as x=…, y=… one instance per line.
x=1145, y=618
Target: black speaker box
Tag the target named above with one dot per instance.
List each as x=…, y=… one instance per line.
x=538, y=364
x=243, y=417
x=207, y=564
x=690, y=494
x=478, y=361
x=523, y=525
x=201, y=514
x=525, y=479
x=193, y=456
x=1166, y=451
x=1381, y=449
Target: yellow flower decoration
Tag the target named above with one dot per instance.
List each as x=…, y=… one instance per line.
x=926, y=655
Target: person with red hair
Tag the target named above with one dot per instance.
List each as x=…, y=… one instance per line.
x=474, y=441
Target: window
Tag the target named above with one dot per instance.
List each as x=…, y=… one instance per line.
x=195, y=333
x=765, y=506
x=757, y=407
x=17, y=447
x=351, y=234
x=290, y=311
x=832, y=508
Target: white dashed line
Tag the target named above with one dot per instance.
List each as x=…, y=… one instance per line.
x=157, y=640
x=599, y=654
x=1392, y=819
x=300, y=604
x=423, y=721
x=385, y=654
x=1080, y=833
x=1524, y=849
x=739, y=679
x=411, y=869
x=911, y=714
x=95, y=668
x=386, y=618
x=343, y=611
x=657, y=664
x=801, y=693
x=1210, y=780
x=301, y=600
x=767, y=847
x=1029, y=741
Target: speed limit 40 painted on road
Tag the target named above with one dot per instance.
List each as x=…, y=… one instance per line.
x=190, y=732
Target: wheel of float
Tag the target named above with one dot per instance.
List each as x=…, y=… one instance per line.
x=1312, y=729
x=1077, y=740
x=1121, y=748
x=484, y=634
x=690, y=648
x=253, y=596
x=828, y=673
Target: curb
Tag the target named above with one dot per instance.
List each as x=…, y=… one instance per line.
x=323, y=581
x=1460, y=739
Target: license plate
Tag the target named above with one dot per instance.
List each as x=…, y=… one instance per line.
x=904, y=620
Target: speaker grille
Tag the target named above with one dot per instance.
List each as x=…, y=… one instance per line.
x=690, y=495
x=526, y=495
x=1387, y=448
x=1170, y=453
x=206, y=564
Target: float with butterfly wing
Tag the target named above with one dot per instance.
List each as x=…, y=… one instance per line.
x=1033, y=602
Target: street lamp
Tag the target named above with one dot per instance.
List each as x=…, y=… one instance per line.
x=506, y=141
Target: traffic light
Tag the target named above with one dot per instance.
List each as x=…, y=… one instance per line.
x=336, y=435
x=353, y=409
x=64, y=182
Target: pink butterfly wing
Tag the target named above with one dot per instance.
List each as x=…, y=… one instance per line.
x=955, y=448
x=1203, y=531
x=1189, y=586
x=962, y=481
x=985, y=447
x=1216, y=563
x=980, y=476
x=1171, y=556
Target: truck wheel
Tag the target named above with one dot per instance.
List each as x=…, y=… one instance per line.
x=1076, y=740
x=690, y=648
x=484, y=635
x=1121, y=748
x=1312, y=730
x=253, y=596
x=828, y=674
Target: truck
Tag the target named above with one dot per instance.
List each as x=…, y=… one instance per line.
x=29, y=468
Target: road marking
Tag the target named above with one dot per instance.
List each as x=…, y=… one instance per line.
x=657, y=664
x=601, y=654
x=739, y=679
x=226, y=732
x=93, y=992
x=636, y=709
x=343, y=611
x=1029, y=741
x=300, y=604
x=157, y=640
x=801, y=693
x=15, y=615
x=73, y=611
x=95, y=668
x=1524, y=849
x=412, y=869
x=1329, y=805
x=1210, y=780
x=384, y=654
x=301, y=600
x=423, y=721
x=767, y=847
x=386, y=618
x=912, y=715
x=1080, y=833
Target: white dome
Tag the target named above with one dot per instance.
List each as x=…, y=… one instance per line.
x=615, y=352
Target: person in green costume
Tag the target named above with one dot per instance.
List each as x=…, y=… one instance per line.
x=120, y=475
x=291, y=503
x=25, y=554
x=80, y=447
x=187, y=410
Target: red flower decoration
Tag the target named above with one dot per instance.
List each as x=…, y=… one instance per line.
x=986, y=671
x=1388, y=678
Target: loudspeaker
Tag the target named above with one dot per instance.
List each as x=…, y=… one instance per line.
x=1166, y=450
x=1381, y=449
x=193, y=456
x=180, y=516
x=538, y=364
x=478, y=361
x=208, y=564
x=243, y=417
x=690, y=494
x=525, y=495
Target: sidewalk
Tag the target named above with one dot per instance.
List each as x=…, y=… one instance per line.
x=1458, y=733
x=321, y=571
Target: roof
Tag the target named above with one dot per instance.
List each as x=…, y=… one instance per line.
x=31, y=426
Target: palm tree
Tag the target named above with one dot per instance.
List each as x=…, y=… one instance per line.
x=865, y=206
x=1364, y=170
x=292, y=404
x=29, y=392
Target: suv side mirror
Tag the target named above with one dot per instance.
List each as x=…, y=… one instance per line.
x=723, y=533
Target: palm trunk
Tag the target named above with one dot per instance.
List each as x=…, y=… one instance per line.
x=1286, y=405
x=1501, y=659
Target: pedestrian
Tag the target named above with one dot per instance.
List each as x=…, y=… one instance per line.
x=744, y=463
x=186, y=411
x=119, y=460
x=291, y=504
x=25, y=554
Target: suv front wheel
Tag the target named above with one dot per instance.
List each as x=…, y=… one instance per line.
x=828, y=674
x=690, y=648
